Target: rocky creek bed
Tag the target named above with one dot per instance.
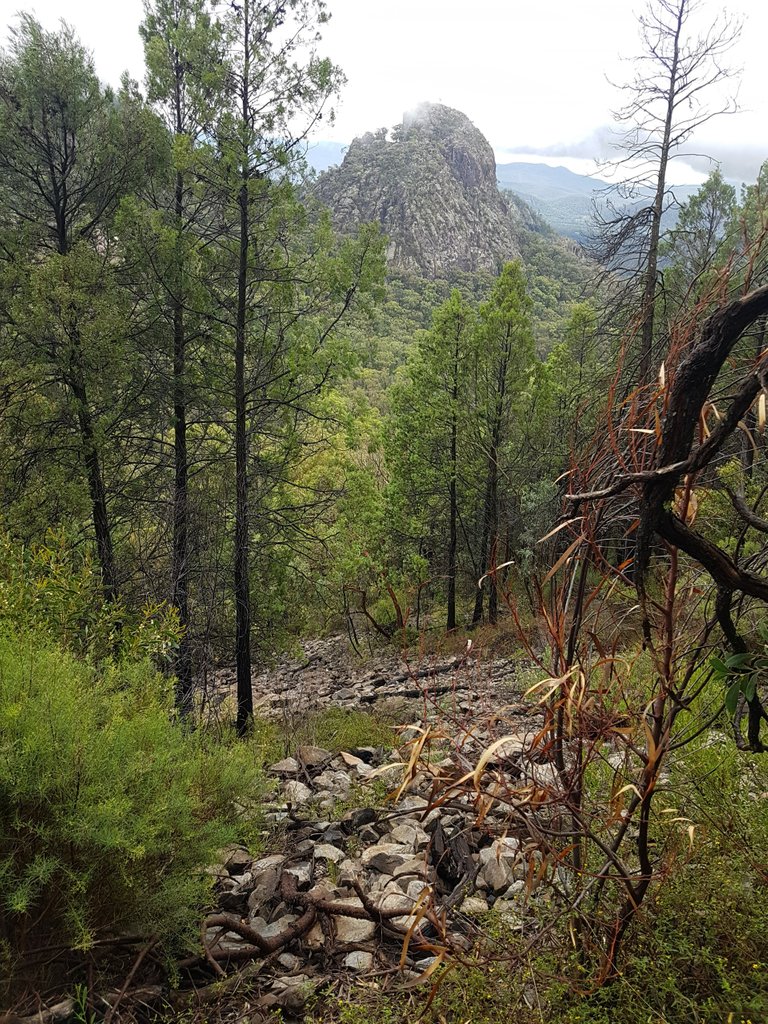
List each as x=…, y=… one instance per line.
x=367, y=865
x=380, y=862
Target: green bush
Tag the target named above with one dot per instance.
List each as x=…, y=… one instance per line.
x=55, y=591
x=109, y=810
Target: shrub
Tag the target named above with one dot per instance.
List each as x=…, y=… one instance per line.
x=109, y=810
x=54, y=590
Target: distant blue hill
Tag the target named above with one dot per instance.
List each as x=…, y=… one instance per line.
x=545, y=182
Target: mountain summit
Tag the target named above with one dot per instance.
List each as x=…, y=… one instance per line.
x=431, y=183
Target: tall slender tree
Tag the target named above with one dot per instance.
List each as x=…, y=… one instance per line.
x=679, y=67
x=182, y=43
x=428, y=432
x=505, y=355
x=276, y=88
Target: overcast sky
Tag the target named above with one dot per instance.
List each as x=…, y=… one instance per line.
x=532, y=74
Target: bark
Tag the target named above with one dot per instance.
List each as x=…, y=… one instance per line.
x=242, y=531
x=453, y=512
x=96, y=489
x=477, y=613
x=183, y=666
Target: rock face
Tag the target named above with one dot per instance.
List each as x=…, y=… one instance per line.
x=431, y=183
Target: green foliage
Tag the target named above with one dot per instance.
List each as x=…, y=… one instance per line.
x=334, y=729
x=697, y=248
x=53, y=592
x=109, y=811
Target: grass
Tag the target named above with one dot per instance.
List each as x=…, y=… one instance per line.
x=334, y=729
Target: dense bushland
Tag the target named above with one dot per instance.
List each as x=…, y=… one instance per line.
x=110, y=811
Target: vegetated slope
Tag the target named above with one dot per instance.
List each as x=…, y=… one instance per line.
x=431, y=183
x=564, y=199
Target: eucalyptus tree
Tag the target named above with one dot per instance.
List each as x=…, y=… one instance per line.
x=70, y=150
x=681, y=65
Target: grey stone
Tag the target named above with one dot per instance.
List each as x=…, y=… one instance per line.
x=498, y=862
x=313, y=757
x=358, y=960
x=297, y=793
x=474, y=906
x=302, y=872
x=288, y=766
x=385, y=857
x=236, y=859
x=289, y=961
x=413, y=866
x=274, y=860
x=268, y=931
x=327, y=852
x=353, y=929
x=296, y=991
x=410, y=835
x=315, y=937
x=415, y=887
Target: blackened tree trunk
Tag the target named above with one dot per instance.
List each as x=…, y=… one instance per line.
x=180, y=570
x=242, y=530
x=650, y=276
x=96, y=489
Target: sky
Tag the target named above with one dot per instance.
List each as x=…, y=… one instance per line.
x=535, y=76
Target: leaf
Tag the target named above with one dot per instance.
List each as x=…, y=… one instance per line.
x=718, y=666
x=563, y=558
x=557, y=529
x=732, y=697
x=414, y=982
x=487, y=755
x=737, y=660
x=750, y=688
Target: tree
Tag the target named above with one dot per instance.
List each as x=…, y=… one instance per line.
x=666, y=105
x=283, y=284
x=69, y=152
x=182, y=46
x=428, y=436
x=505, y=356
x=699, y=244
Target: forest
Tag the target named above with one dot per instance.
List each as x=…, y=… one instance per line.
x=374, y=646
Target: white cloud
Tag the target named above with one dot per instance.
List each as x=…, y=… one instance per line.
x=531, y=74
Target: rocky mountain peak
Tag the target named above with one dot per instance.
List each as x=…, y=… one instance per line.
x=466, y=150
x=431, y=183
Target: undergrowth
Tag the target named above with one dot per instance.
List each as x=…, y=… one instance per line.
x=109, y=811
